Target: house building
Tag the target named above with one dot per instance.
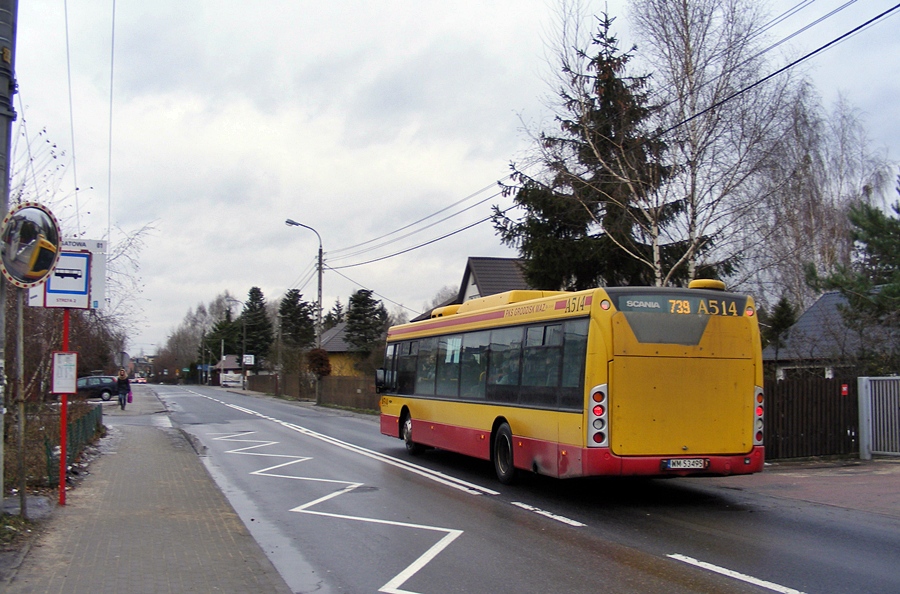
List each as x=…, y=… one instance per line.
x=821, y=344
x=340, y=353
x=485, y=276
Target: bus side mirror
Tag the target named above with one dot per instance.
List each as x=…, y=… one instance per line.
x=379, y=381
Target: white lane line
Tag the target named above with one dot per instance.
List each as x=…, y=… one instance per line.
x=734, y=574
x=439, y=477
x=547, y=514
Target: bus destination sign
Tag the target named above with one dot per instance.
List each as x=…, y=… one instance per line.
x=682, y=304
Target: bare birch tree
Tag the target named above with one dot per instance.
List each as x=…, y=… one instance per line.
x=702, y=53
x=822, y=167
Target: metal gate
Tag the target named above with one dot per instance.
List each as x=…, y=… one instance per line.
x=879, y=416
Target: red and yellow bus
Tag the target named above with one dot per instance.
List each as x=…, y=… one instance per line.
x=610, y=381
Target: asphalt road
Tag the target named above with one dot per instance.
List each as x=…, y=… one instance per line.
x=340, y=508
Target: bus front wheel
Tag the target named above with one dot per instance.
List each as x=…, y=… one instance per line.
x=503, y=455
x=412, y=447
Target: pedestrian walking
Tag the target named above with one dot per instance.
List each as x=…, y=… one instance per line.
x=124, y=387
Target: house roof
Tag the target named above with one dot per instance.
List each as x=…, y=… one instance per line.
x=334, y=339
x=489, y=276
x=229, y=362
x=493, y=275
x=820, y=333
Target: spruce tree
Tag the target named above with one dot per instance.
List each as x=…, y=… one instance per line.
x=258, y=327
x=298, y=329
x=367, y=321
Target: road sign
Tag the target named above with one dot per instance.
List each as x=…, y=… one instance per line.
x=76, y=286
x=70, y=283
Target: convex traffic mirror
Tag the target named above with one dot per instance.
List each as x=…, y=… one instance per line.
x=29, y=244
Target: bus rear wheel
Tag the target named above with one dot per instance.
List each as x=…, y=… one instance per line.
x=503, y=455
x=412, y=447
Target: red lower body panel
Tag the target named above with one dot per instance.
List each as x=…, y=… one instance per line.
x=564, y=461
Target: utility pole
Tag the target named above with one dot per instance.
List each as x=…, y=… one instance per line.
x=9, y=10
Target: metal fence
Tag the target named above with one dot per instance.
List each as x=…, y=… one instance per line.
x=879, y=416
x=811, y=417
x=79, y=433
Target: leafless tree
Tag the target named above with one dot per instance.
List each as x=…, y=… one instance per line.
x=822, y=166
x=702, y=53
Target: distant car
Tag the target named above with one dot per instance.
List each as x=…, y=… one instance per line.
x=97, y=386
x=139, y=380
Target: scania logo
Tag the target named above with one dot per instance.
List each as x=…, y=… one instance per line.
x=643, y=304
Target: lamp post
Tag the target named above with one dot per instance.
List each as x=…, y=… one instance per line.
x=243, y=344
x=293, y=223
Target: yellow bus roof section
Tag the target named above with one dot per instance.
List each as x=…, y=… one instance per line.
x=504, y=309
x=504, y=299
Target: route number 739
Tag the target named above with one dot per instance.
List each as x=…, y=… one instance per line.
x=679, y=306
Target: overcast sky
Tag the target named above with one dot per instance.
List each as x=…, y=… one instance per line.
x=355, y=118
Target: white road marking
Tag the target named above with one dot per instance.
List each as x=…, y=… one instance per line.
x=393, y=586
x=547, y=514
x=734, y=574
x=433, y=475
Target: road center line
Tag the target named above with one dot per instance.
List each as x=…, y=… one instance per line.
x=734, y=574
x=547, y=514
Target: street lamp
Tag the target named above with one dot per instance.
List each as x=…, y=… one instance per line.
x=243, y=344
x=293, y=223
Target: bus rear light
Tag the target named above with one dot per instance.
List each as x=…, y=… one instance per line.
x=605, y=304
x=597, y=427
x=760, y=424
x=750, y=312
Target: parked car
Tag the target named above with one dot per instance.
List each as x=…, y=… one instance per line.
x=97, y=386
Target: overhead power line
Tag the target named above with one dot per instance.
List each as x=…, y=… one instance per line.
x=411, y=233
x=423, y=219
x=421, y=245
x=820, y=49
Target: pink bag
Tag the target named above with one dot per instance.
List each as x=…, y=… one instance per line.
x=129, y=396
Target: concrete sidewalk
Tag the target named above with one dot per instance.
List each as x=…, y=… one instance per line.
x=148, y=518
x=864, y=485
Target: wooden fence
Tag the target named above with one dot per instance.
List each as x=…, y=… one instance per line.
x=353, y=392
x=811, y=417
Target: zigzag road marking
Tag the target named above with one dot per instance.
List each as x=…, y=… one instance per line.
x=394, y=585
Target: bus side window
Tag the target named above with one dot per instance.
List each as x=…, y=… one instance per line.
x=473, y=371
x=406, y=368
x=542, y=356
x=389, y=371
x=574, y=355
x=541, y=366
x=504, y=364
x=425, y=366
x=448, y=365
